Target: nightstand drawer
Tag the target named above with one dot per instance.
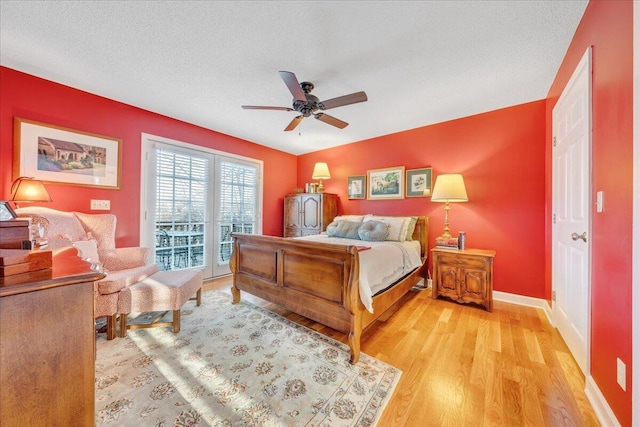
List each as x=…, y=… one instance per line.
x=466, y=261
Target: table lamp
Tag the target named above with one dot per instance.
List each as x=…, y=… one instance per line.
x=25, y=189
x=321, y=171
x=449, y=188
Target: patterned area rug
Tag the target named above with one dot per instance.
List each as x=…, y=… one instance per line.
x=236, y=365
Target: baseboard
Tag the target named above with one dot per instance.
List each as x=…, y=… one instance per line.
x=599, y=403
x=526, y=301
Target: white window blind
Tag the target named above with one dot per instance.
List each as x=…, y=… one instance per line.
x=237, y=201
x=181, y=210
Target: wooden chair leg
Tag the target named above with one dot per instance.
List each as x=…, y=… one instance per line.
x=111, y=326
x=176, y=321
x=199, y=297
x=123, y=325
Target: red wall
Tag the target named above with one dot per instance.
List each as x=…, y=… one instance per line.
x=608, y=28
x=29, y=97
x=501, y=156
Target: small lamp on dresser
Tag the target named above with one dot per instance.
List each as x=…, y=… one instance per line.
x=321, y=171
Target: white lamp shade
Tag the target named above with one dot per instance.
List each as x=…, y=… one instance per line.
x=449, y=188
x=321, y=171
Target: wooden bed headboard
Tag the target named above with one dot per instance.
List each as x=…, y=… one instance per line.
x=421, y=234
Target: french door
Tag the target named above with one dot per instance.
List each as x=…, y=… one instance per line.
x=193, y=198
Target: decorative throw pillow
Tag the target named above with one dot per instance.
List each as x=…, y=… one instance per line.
x=373, y=231
x=411, y=228
x=87, y=249
x=398, y=226
x=346, y=229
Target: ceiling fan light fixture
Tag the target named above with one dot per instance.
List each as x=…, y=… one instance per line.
x=307, y=104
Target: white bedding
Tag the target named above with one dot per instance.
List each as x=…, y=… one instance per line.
x=381, y=265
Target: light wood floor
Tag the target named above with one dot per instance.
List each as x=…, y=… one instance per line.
x=464, y=366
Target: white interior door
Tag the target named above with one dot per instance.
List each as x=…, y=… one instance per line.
x=571, y=207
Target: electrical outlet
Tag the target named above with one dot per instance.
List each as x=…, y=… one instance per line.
x=622, y=374
x=100, y=205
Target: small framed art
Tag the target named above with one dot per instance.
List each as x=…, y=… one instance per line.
x=385, y=183
x=419, y=182
x=357, y=187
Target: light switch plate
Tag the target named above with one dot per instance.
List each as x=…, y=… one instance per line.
x=100, y=205
x=622, y=374
x=600, y=201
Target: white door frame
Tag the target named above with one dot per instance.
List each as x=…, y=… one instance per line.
x=585, y=62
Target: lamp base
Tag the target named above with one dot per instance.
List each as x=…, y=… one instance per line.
x=320, y=187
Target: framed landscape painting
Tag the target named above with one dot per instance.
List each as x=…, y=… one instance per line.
x=55, y=154
x=357, y=187
x=385, y=183
x=419, y=182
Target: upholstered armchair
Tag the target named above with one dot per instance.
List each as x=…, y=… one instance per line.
x=94, y=237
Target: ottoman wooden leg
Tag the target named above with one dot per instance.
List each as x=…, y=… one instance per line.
x=199, y=297
x=176, y=321
x=123, y=325
x=111, y=326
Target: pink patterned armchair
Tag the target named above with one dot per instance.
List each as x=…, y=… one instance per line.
x=94, y=237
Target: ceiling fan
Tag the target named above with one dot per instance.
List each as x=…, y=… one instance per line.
x=307, y=104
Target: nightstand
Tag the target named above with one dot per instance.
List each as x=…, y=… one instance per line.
x=464, y=275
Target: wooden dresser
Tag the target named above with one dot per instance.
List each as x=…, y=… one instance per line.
x=308, y=213
x=47, y=351
x=464, y=275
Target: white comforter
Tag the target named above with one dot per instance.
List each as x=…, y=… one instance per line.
x=381, y=265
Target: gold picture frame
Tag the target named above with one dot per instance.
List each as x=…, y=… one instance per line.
x=385, y=184
x=59, y=155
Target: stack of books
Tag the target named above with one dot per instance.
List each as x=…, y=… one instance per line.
x=444, y=243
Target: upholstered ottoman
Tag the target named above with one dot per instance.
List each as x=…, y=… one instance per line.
x=162, y=291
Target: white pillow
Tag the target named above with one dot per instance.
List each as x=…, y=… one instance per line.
x=87, y=249
x=352, y=218
x=398, y=226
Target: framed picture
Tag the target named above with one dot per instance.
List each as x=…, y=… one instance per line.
x=56, y=154
x=385, y=183
x=357, y=187
x=6, y=212
x=419, y=182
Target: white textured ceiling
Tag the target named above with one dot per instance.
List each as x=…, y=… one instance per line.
x=198, y=61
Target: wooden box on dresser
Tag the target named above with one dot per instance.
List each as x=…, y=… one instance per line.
x=47, y=351
x=464, y=275
x=308, y=213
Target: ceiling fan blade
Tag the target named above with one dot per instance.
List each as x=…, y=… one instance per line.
x=292, y=83
x=261, y=107
x=331, y=120
x=295, y=122
x=353, y=98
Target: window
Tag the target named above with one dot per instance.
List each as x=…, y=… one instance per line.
x=187, y=188
x=180, y=211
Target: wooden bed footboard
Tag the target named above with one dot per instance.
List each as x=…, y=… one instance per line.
x=315, y=280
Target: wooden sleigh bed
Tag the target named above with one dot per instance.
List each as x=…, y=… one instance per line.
x=317, y=280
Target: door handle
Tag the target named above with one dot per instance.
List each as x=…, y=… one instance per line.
x=576, y=236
